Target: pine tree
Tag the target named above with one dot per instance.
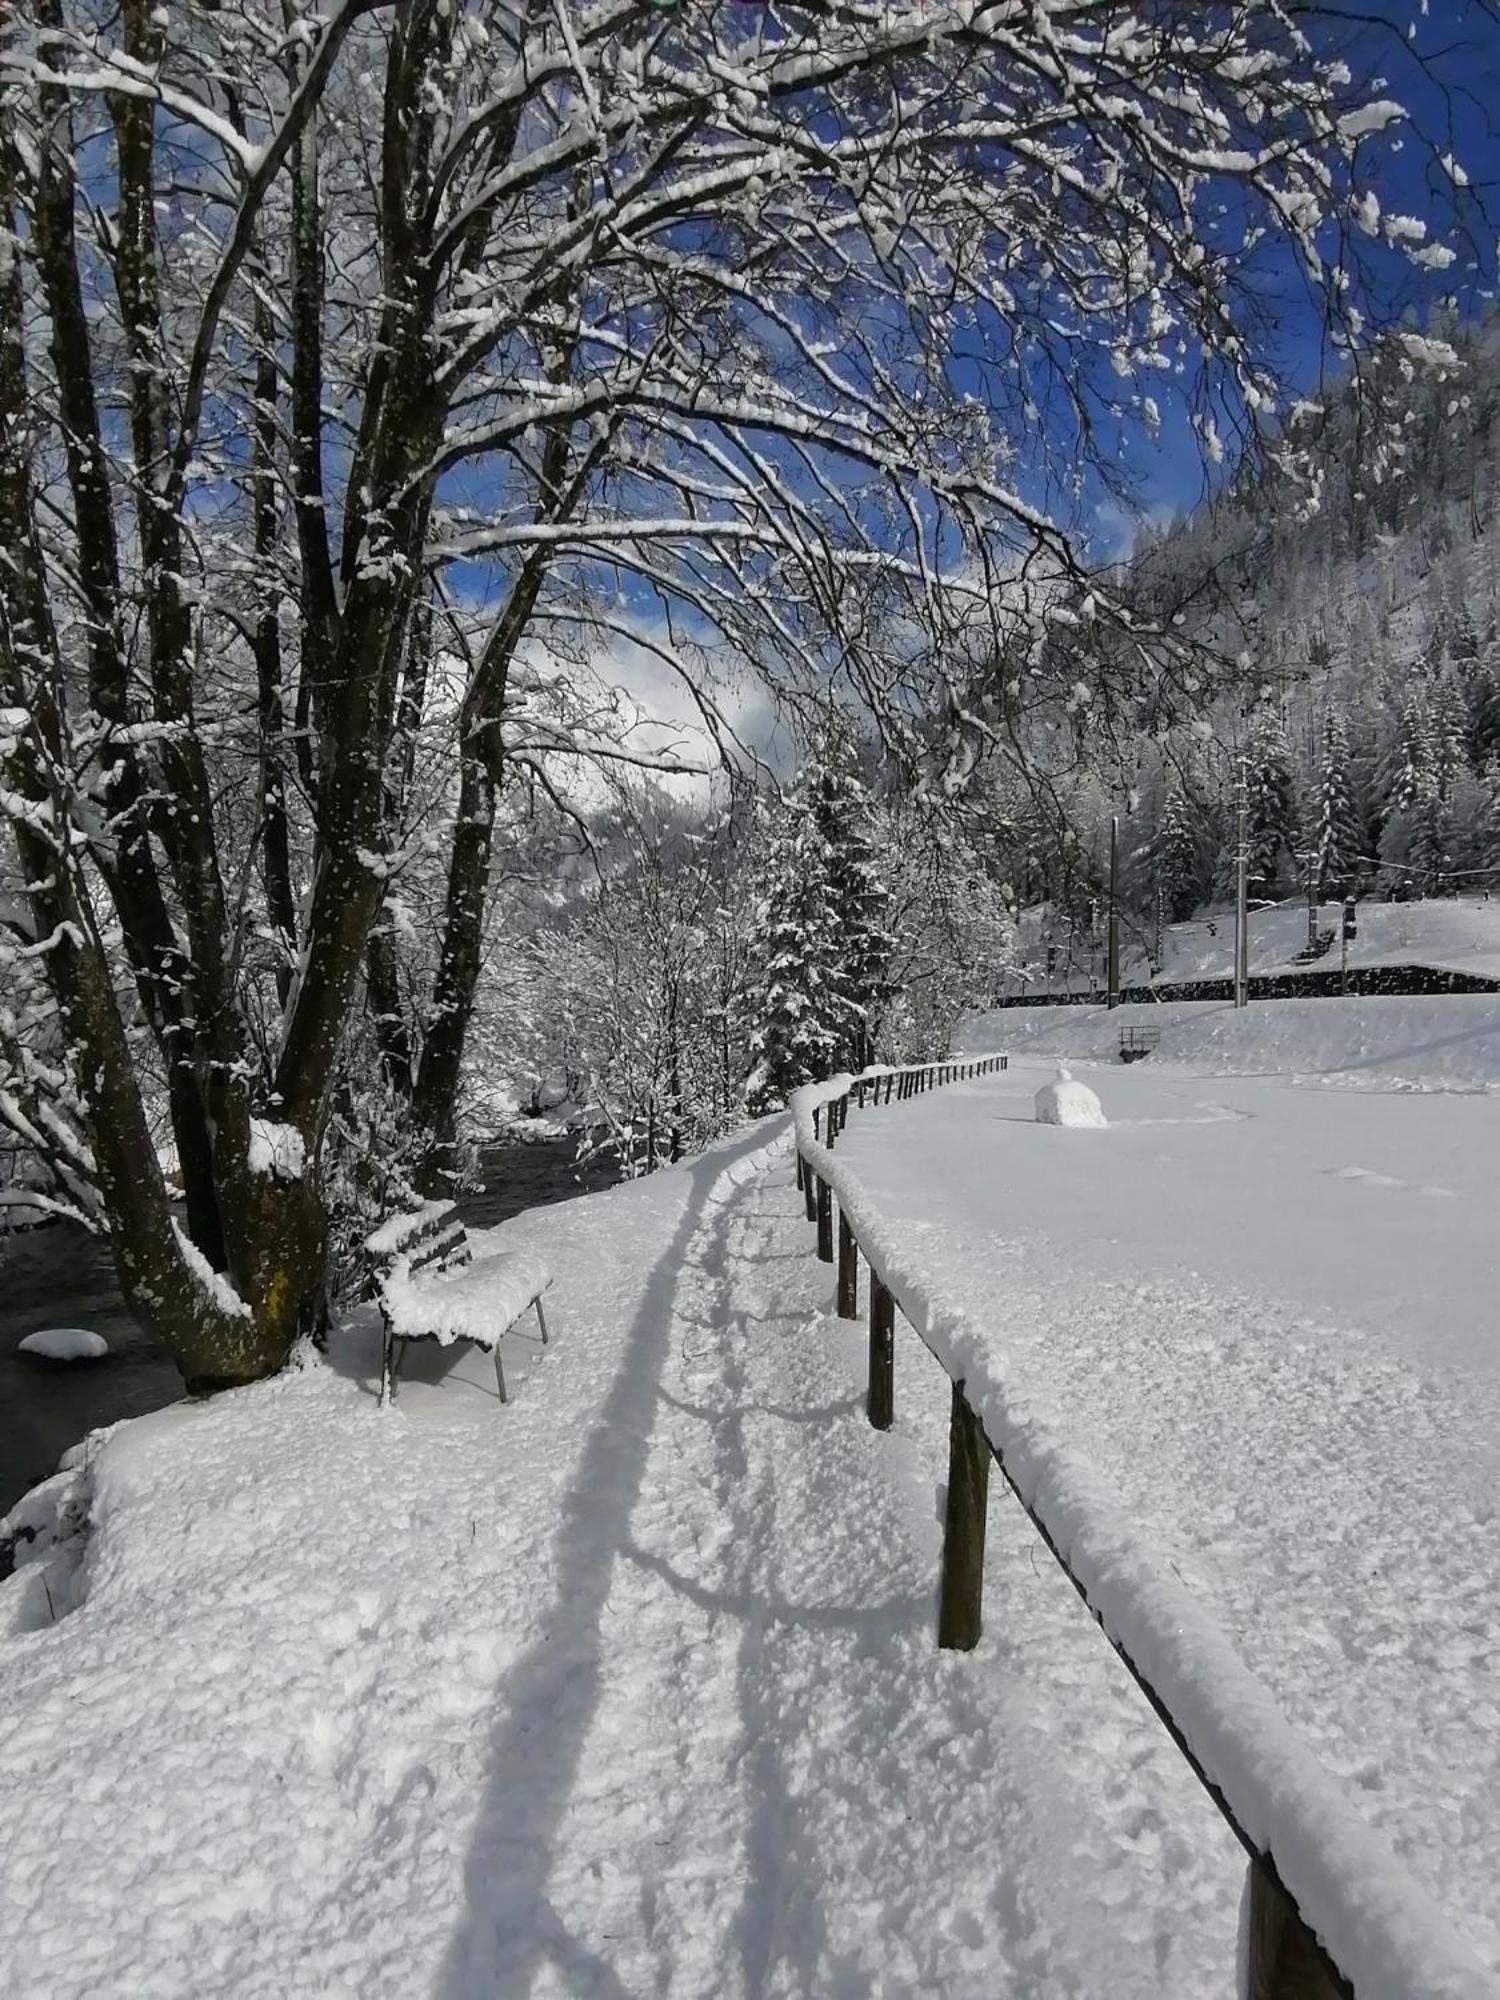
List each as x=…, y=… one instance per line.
x=1272, y=818
x=826, y=972
x=1484, y=718
x=1448, y=728
x=1176, y=863
x=1410, y=754
x=795, y=1004
x=1431, y=838
x=862, y=944
x=1340, y=834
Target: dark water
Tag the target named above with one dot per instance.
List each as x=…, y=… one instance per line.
x=59, y=1276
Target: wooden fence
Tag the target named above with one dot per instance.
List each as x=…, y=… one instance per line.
x=1285, y=1959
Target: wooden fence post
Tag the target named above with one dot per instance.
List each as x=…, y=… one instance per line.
x=825, y=1223
x=799, y=1172
x=810, y=1191
x=847, y=1298
x=1286, y=1962
x=880, y=1402
x=960, y=1601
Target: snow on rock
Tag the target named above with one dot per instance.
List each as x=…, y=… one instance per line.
x=277, y=1150
x=1066, y=1101
x=65, y=1343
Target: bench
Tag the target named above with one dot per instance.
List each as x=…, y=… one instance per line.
x=1138, y=1043
x=430, y=1287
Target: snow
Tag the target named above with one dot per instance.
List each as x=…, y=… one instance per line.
x=478, y=1302
x=632, y=1687
x=1280, y=1408
x=1457, y=934
x=1447, y=1042
x=276, y=1150
x=65, y=1343
x=1066, y=1101
x=392, y=1235
x=211, y=1282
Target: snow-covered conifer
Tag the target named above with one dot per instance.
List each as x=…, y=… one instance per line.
x=859, y=895
x=1177, y=859
x=797, y=1003
x=1339, y=835
x=1272, y=805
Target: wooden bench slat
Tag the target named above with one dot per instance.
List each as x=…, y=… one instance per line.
x=430, y=1287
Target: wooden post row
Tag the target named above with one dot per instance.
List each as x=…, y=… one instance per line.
x=880, y=1402
x=846, y=1303
x=961, y=1595
x=825, y=1223
x=1285, y=1960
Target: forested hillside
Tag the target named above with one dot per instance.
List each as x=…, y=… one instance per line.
x=1351, y=625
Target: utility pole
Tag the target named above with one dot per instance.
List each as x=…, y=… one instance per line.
x=1114, y=911
x=1242, y=889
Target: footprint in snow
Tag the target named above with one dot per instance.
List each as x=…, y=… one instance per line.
x=1369, y=1178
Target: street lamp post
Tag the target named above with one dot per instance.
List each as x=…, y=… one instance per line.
x=1114, y=911
x=1242, y=889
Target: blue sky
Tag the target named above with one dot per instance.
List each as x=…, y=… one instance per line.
x=1442, y=62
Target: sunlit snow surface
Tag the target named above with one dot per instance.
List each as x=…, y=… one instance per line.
x=1066, y=1101
x=630, y=1687
x=65, y=1343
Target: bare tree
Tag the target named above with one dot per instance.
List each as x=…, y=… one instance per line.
x=789, y=344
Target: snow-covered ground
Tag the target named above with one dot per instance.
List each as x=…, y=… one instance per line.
x=1269, y=1320
x=630, y=1687
x=1418, y=1042
x=1458, y=934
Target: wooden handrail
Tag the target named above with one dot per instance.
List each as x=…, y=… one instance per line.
x=1286, y=1961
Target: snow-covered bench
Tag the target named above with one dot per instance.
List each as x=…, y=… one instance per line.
x=430, y=1288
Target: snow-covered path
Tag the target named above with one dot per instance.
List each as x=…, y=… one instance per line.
x=1270, y=1318
x=629, y=1688
x=767, y=1780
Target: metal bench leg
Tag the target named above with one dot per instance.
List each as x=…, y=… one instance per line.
x=541, y=1321
x=395, y=1354
x=500, y=1374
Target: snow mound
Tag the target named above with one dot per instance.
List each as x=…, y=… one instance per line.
x=1066, y=1101
x=65, y=1343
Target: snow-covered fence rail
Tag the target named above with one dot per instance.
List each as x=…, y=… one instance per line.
x=1331, y=1912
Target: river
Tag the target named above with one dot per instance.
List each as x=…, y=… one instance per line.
x=59, y=1276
